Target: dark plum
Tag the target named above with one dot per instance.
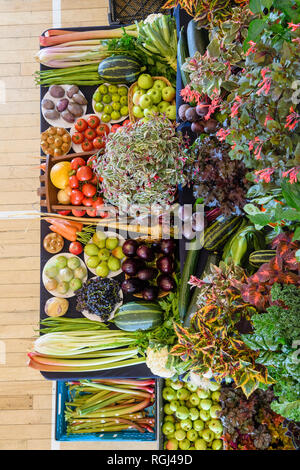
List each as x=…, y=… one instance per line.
x=147, y=274
x=165, y=282
x=132, y=286
x=197, y=127
x=150, y=293
x=129, y=247
x=131, y=266
x=145, y=252
x=165, y=264
x=167, y=246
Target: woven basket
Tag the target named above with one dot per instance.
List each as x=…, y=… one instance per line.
x=151, y=264
x=130, y=96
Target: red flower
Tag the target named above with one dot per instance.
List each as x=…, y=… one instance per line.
x=251, y=49
x=293, y=26
x=235, y=106
x=292, y=119
x=292, y=173
x=265, y=84
x=264, y=174
x=268, y=118
x=222, y=134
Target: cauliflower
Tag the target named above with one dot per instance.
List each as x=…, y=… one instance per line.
x=201, y=381
x=151, y=18
x=156, y=361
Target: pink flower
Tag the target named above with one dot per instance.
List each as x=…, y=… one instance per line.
x=265, y=84
x=251, y=49
x=264, y=174
x=194, y=281
x=294, y=26
x=235, y=106
x=292, y=173
x=268, y=118
x=292, y=119
x=215, y=103
x=222, y=134
x=233, y=146
x=258, y=148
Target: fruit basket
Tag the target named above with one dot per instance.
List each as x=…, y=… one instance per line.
x=131, y=93
x=48, y=192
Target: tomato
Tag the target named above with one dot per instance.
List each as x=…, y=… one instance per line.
x=102, y=129
x=114, y=127
x=91, y=212
x=87, y=201
x=64, y=212
x=127, y=122
x=91, y=160
x=87, y=146
x=98, y=143
x=75, y=248
x=77, y=138
x=98, y=202
x=78, y=213
x=81, y=125
x=77, y=162
x=89, y=190
x=93, y=121
x=84, y=173
x=76, y=197
x=73, y=182
x=90, y=134
x=94, y=180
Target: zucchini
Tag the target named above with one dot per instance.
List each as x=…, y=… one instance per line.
x=257, y=258
x=216, y=234
x=135, y=316
x=182, y=55
x=242, y=243
x=193, y=307
x=197, y=39
x=189, y=268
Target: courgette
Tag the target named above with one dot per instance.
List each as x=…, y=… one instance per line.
x=182, y=55
x=197, y=39
x=189, y=268
x=193, y=306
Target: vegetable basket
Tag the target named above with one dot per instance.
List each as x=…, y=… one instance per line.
x=48, y=192
x=126, y=11
x=63, y=396
x=131, y=93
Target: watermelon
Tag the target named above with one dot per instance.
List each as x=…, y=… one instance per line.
x=135, y=316
x=120, y=69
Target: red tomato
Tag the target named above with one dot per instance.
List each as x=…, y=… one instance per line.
x=94, y=180
x=98, y=202
x=77, y=162
x=78, y=213
x=114, y=127
x=87, y=146
x=91, y=160
x=75, y=248
x=87, y=201
x=89, y=190
x=76, y=197
x=93, y=121
x=102, y=129
x=90, y=134
x=98, y=143
x=63, y=212
x=127, y=122
x=84, y=173
x=73, y=182
x=81, y=125
x=77, y=138
x=91, y=212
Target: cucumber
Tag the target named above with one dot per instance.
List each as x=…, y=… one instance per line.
x=197, y=39
x=182, y=55
x=135, y=316
x=193, y=307
x=189, y=268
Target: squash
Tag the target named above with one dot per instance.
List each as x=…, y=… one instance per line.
x=135, y=316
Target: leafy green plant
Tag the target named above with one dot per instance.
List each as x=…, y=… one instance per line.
x=275, y=334
x=213, y=341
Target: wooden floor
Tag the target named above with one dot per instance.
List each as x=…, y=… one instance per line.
x=25, y=397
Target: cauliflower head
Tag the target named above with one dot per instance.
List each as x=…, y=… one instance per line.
x=156, y=360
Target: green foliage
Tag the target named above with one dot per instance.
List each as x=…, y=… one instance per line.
x=275, y=334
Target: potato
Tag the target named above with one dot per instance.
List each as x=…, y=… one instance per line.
x=67, y=116
x=78, y=98
x=72, y=90
x=56, y=91
x=75, y=109
x=62, y=105
x=51, y=114
x=48, y=104
x=56, y=307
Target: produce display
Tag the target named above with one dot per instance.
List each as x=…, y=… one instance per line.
x=179, y=217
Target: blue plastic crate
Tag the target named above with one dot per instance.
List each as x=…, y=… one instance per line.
x=63, y=396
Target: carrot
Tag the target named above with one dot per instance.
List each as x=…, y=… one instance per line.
x=65, y=232
x=79, y=35
x=66, y=223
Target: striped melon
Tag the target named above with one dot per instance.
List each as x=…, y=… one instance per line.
x=257, y=258
x=120, y=69
x=135, y=316
x=218, y=233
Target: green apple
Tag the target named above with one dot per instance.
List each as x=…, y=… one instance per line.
x=136, y=97
x=194, y=399
x=214, y=411
x=200, y=444
x=113, y=89
x=215, y=396
x=163, y=106
x=159, y=84
x=108, y=109
x=106, y=99
x=207, y=435
x=184, y=444
x=145, y=101
x=204, y=415
x=150, y=111
x=205, y=404
x=137, y=112
x=198, y=425
x=155, y=95
x=193, y=414
x=116, y=106
x=102, y=269
x=177, y=425
x=123, y=90
x=145, y=81
x=192, y=435
x=169, y=394
x=115, y=115
x=169, y=418
x=214, y=386
x=215, y=425
x=92, y=262
x=168, y=93
x=103, y=254
x=124, y=101
x=191, y=387
x=103, y=89
x=182, y=412
x=174, y=405
x=105, y=117
x=99, y=107
x=171, y=112
x=115, y=97
x=113, y=263
x=186, y=424
x=176, y=385
x=183, y=394
x=203, y=393
x=167, y=409
x=172, y=444
x=217, y=444
x=180, y=434
x=168, y=428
